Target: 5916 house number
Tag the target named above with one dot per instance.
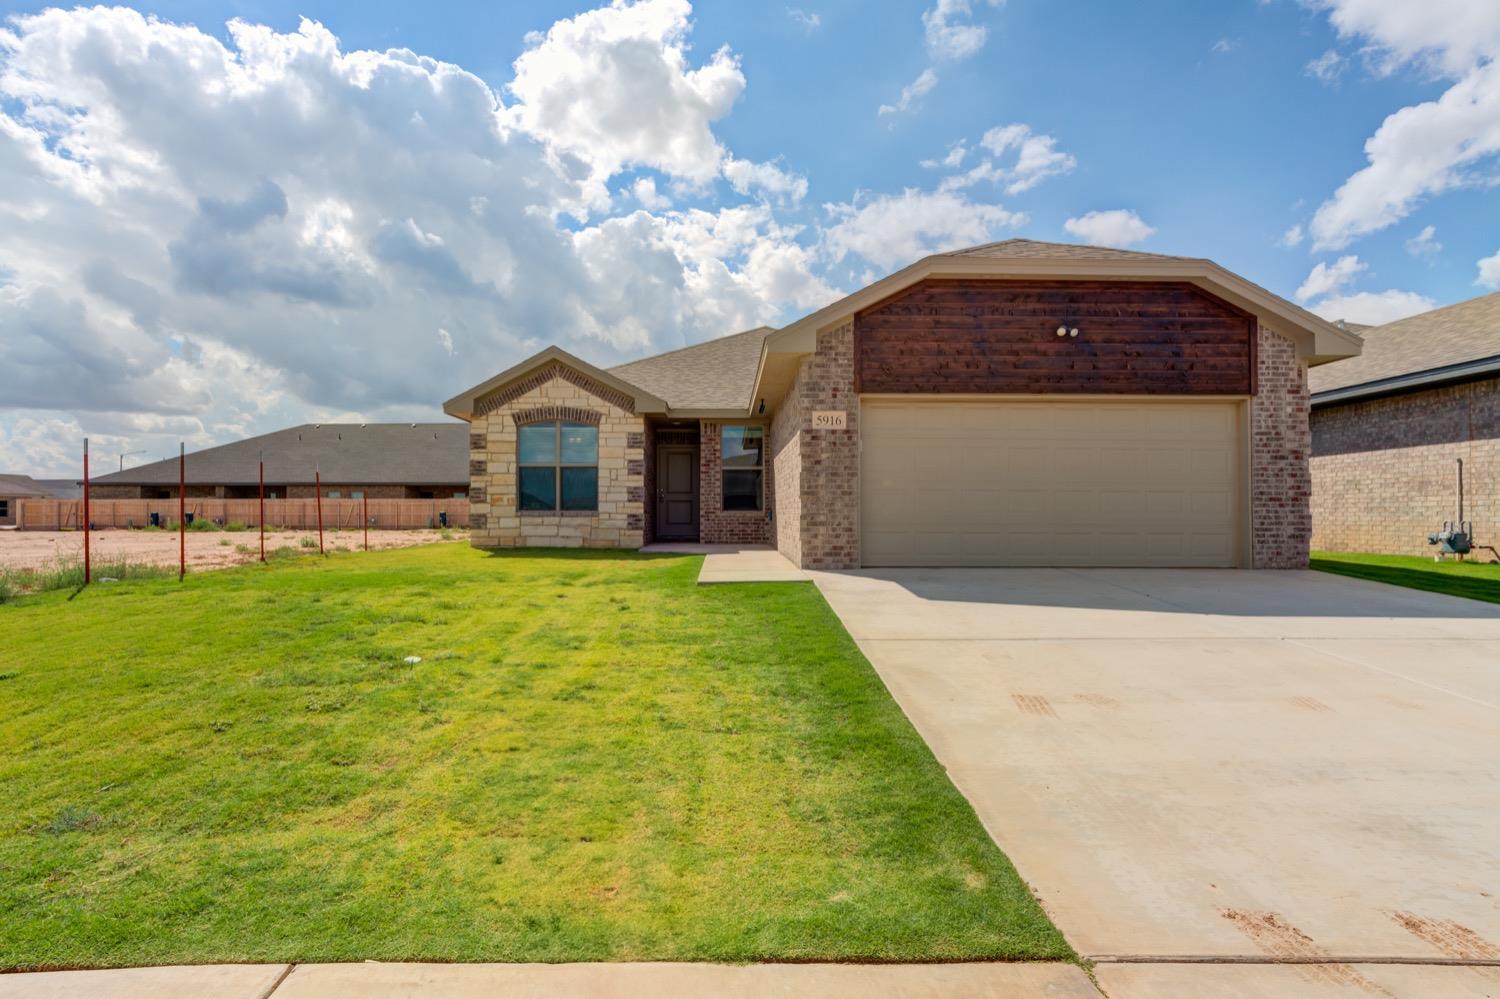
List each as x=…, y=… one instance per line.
x=827, y=419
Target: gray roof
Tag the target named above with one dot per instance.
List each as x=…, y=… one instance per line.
x=1035, y=249
x=23, y=486
x=716, y=374
x=1453, y=335
x=346, y=453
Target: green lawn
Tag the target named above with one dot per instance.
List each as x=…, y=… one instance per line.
x=595, y=759
x=1475, y=580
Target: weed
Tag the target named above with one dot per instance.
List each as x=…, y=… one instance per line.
x=308, y=543
x=73, y=819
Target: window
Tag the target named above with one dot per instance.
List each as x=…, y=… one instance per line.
x=742, y=450
x=4, y=509
x=558, y=466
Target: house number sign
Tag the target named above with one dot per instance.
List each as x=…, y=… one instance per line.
x=827, y=419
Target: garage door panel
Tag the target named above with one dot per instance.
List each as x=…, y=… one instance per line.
x=1050, y=483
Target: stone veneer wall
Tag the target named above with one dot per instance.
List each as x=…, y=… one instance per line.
x=1280, y=446
x=716, y=525
x=494, y=518
x=818, y=499
x=1384, y=473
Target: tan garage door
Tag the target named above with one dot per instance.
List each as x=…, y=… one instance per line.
x=1050, y=483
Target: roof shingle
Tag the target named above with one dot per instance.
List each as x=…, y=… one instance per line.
x=715, y=374
x=1454, y=334
x=345, y=453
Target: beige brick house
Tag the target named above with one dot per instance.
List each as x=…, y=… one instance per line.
x=1390, y=426
x=1018, y=403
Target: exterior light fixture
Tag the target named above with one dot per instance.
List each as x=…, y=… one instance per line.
x=1073, y=331
x=1062, y=331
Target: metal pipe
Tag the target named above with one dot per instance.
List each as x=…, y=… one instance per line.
x=262, y=506
x=364, y=512
x=318, y=493
x=1460, y=523
x=181, y=510
x=88, y=564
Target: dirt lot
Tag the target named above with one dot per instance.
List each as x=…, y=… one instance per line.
x=205, y=549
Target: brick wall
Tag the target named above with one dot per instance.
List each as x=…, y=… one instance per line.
x=716, y=525
x=1384, y=470
x=822, y=496
x=786, y=461
x=620, y=520
x=1280, y=444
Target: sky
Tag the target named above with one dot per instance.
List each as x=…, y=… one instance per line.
x=218, y=219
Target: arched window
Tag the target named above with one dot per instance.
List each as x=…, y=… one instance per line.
x=557, y=466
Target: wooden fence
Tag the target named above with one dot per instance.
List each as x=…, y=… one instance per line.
x=385, y=514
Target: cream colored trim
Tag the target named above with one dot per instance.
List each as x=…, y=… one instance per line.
x=1317, y=339
x=934, y=397
x=462, y=405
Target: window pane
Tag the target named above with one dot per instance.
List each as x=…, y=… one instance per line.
x=742, y=490
x=580, y=445
x=580, y=489
x=537, y=444
x=742, y=446
x=538, y=488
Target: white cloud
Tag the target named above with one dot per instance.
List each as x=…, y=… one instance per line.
x=1224, y=46
x=1036, y=159
x=1118, y=227
x=1327, y=67
x=765, y=179
x=950, y=35
x=1293, y=236
x=644, y=191
x=893, y=229
x=613, y=88
x=807, y=20
x=1424, y=243
x=949, y=32
x=952, y=160
x=912, y=92
x=1372, y=307
x=1489, y=271
x=1428, y=148
x=1326, y=278
x=205, y=239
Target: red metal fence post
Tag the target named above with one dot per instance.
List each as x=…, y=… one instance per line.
x=88, y=564
x=181, y=510
x=262, y=506
x=364, y=512
x=318, y=492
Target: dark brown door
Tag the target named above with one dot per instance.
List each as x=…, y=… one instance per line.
x=676, y=493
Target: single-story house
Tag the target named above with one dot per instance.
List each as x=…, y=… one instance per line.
x=1390, y=426
x=1018, y=403
x=377, y=460
x=15, y=488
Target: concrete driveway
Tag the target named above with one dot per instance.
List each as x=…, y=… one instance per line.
x=1205, y=763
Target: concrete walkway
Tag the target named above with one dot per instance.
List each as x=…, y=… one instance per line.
x=737, y=563
x=1205, y=764
x=563, y=981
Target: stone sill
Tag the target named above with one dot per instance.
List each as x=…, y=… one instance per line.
x=559, y=514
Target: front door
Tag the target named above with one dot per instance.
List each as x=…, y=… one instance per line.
x=676, y=493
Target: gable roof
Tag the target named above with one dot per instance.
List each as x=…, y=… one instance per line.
x=717, y=374
x=463, y=404
x=1443, y=344
x=23, y=486
x=345, y=453
x=1035, y=249
x=1318, y=341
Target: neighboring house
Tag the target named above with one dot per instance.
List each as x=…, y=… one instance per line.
x=378, y=460
x=1019, y=403
x=15, y=488
x=1389, y=425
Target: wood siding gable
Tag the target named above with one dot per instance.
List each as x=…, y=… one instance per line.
x=1000, y=336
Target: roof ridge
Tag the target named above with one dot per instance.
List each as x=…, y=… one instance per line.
x=692, y=346
x=1430, y=312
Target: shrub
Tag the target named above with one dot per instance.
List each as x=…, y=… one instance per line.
x=236, y=526
x=308, y=542
x=202, y=524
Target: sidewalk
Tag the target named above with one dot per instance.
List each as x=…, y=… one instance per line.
x=472, y=981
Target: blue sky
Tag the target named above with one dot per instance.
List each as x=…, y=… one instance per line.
x=780, y=166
